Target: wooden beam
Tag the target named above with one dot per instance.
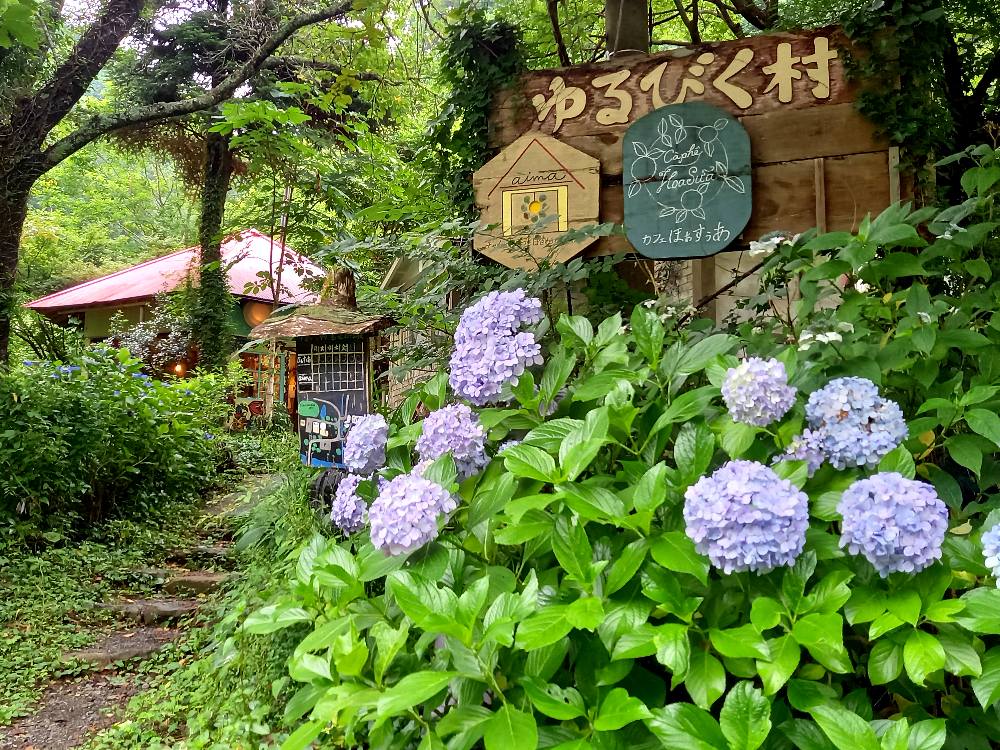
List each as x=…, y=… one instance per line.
x=819, y=183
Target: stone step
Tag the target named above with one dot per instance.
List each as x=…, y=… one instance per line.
x=137, y=643
x=219, y=555
x=194, y=582
x=151, y=611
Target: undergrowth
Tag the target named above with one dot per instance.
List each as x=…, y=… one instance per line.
x=216, y=687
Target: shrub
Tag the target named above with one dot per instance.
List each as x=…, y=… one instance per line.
x=643, y=570
x=82, y=439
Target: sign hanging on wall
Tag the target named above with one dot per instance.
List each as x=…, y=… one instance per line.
x=529, y=194
x=686, y=174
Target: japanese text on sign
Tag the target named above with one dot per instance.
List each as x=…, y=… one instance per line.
x=563, y=102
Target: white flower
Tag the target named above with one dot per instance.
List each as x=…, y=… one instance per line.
x=924, y=317
x=862, y=287
x=649, y=303
x=758, y=329
x=828, y=337
x=806, y=339
x=764, y=246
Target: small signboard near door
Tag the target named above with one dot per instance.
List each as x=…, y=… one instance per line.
x=332, y=375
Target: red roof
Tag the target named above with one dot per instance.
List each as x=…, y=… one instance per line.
x=245, y=255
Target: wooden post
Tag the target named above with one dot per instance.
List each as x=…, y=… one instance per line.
x=819, y=181
x=626, y=26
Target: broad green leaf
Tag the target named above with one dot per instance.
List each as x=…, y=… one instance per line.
x=765, y=612
x=697, y=356
x=706, y=679
x=987, y=686
x=431, y=608
x=275, y=617
x=618, y=710
x=388, y=642
x=673, y=647
x=675, y=551
x=960, y=656
x=586, y=613
x=625, y=566
x=929, y=734
x=823, y=636
x=531, y=462
x=785, y=656
x=885, y=662
x=922, y=655
x=651, y=490
x=681, y=725
x=985, y=423
x=905, y=604
x=648, y=333
x=543, y=628
x=635, y=644
x=510, y=728
x=982, y=611
x=743, y=642
x=846, y=729
x=745, y=717
x=410, y=691
x=558, y=703
x=572, y=548
x=303, y=737
x=490, y=500
x=737, y=438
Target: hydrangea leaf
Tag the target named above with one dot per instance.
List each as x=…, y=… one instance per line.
x=543, y=628
x=740, y=643
x=846, y=729
x=785, y=657
x=412, y=690
x=511, y=728
x=528, y=461
x=885, y=662
x=674, y=551
x=705, y=679
x=619, y=709
x=745, y=717
x=682, y=725
x=823, y=636
x=922, y=656
x=982, y=611
x=673, y=648
x=929, y=734
x=562, y=704
x=625, y=566
x=987, y=686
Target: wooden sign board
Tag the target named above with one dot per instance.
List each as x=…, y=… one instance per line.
x=532, y=192
x=687, y=181
x=816, y=161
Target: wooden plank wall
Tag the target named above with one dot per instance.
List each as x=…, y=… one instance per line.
x=817, y=162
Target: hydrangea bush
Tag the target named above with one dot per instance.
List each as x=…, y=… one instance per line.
x=687, y=552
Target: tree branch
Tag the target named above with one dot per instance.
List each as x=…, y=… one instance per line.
x=553, y=8
x=295, y=61
x=990, y=76
x=98, y=125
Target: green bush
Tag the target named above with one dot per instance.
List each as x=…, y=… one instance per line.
x=96, y=435
x=564, y=604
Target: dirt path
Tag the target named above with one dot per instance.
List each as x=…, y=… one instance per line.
x=74, y=709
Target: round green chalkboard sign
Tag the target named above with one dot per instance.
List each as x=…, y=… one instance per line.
x=687, y=181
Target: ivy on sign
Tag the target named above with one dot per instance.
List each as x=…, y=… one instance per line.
x=687, y=181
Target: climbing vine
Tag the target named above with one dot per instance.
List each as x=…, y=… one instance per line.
x=901, y=71
x=478, y=58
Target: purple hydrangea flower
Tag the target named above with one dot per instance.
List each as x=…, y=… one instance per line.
x=489, y=350
x=757, y=393
x=507, y=444
x=349, y=511
x=746, y=517
x=991, y=551
x=454, y=428
x=364, y=447
x=857, y=427
x=898, y=524
x=805, y=447
x=405, y=515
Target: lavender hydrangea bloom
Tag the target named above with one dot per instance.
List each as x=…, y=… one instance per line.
x=857, y=427
x=454, y=428
x=405, y=515
x=991, y=551
x=364, y=447
x=489, y=350
x=507, y=444
x=757, y=393
x=898, y=524
x=805, y=447
x=349, y=511
x=746, y=517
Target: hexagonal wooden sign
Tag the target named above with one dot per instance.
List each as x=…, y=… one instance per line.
x=529, y=195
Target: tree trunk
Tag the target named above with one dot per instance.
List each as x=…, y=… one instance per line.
x=13, y=211
x=626, y=26
x=212, y=329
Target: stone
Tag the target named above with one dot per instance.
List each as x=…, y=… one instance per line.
x=194, y=582
x=123, y=646
x=151, y=611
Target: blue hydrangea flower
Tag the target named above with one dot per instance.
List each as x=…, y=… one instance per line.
x=856, y=426
x=489, y=349
x=405, y=515
x=507, y=444
x=757, y=393
x=805, y=447
x=349, y=511
x=898, y=524
x=746, y=517
x=991, y=551
x=454, y=428
x=364, y=447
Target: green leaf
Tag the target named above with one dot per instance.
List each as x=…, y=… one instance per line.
x=706, y=679
x=572, y=548
x=929, y=734
x=965, y=451
x=673, y=647
x=685, y=407
x=675, y=551
x=922, y=655
x=698, y=356
x=431, y=608
x=805, y=735
x=785, y=656
x=636, y=643
x=985, y=423
x=899, y=460
x=531, y=462
x=745, y=717
x=586, y=613
x=543, y=628
x=303, y=737
x=960, y=656
x=823, y=636
x=982, y=611
x=651, y=490
x=388, y=643
x=575, y=327
x=491, y=499
x=410, y=691
x=618, y=710
x=510, y=728
x=555, y=702
x=744, y=642
x=648, y=333
x=987, y=686
x=885, y=662
x=846, y=729
x=625, y=566
x=765, y=612
x=737, y=438
x=905, y=604
x=681, y=725
x=693, y=449
x=275, y=617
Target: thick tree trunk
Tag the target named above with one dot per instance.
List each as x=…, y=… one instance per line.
x=212, y=330
x=13, y=211
x=626, y=26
